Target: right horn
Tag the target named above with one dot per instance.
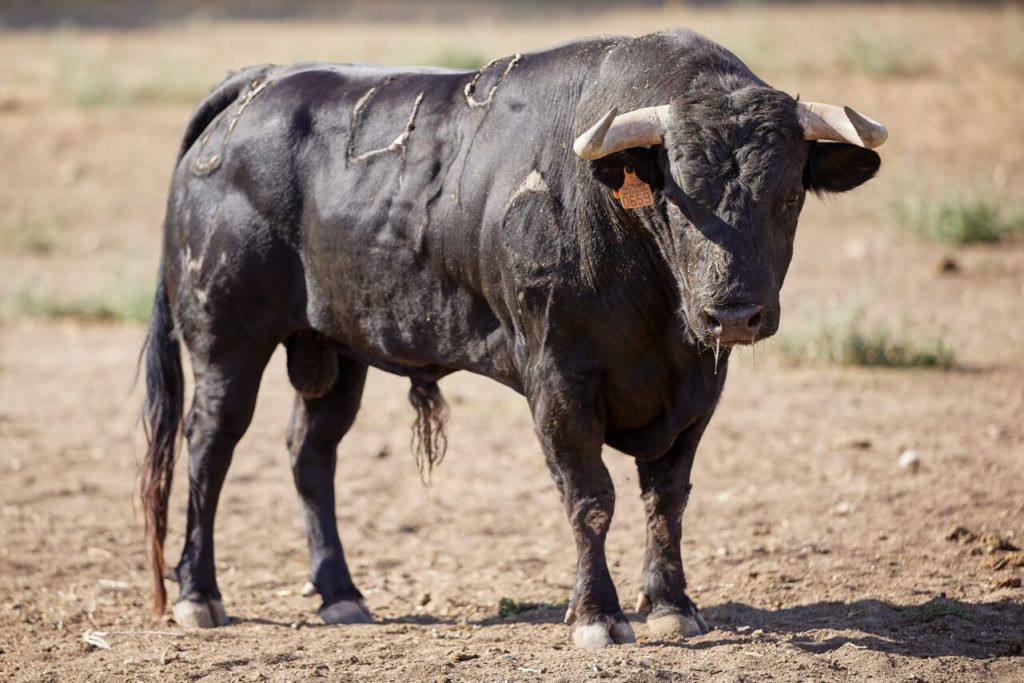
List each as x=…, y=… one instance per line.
x=839, y=124
x=615, y=132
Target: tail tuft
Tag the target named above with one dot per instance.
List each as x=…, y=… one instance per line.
x=429, y=441
x=162, y=419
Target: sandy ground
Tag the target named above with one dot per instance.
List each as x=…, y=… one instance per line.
x=814, y=556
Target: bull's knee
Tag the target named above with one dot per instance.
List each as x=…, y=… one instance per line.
x=594, y=515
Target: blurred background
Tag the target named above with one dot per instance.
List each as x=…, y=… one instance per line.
x=94, y=97
x=886, y=412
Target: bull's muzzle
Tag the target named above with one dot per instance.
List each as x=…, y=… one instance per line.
x=734, y=324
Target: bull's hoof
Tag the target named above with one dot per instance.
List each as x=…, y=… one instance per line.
x=676, y=625
x=602, y=634
x=191, y=614
x=346, y=612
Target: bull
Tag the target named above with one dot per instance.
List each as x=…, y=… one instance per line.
x=594, y=225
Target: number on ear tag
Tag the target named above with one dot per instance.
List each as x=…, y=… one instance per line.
x=634, y=193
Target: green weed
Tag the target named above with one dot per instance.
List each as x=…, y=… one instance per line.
x=843, y=339
x=958, y=217
x=123, y=301
x=89, y=80
x=38, y=233
x=934, y=609
x=511, y=606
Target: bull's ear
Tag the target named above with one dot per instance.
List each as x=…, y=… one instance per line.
x=838, y=167
x=610, y=170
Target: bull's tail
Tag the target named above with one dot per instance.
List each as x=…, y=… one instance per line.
x=429, y=441
x=162, y=419
x=161, y=354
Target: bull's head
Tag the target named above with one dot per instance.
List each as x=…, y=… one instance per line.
x=735, y=167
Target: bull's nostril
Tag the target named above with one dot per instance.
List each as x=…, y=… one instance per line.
x=713, y=324
x=755, y=321
x=733, y=324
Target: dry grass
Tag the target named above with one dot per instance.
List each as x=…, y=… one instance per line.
x=86, y=77
x=882, y=57
x=959, y=216
x=843, y=338
x=121, y=301
x=37, y=233
x=93, y=118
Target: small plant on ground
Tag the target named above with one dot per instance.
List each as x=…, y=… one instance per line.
x=844, y=339
x=959, y=217
x=936, y=608
x=123, y=301
x=89, y=79
x=508, y=607
x=35, y=234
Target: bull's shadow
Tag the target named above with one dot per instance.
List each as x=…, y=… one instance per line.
x=939, y=627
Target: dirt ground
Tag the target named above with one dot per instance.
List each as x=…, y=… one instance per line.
x=813, y=555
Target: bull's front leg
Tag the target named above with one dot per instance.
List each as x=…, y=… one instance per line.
x=572, y=438
x=665, y=488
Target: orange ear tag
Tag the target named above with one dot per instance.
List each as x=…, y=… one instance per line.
x=634, y=193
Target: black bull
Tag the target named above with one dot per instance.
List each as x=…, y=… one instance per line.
x=425, y=221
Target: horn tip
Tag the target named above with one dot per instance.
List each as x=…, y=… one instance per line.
x=588, y=144
x=871, y=132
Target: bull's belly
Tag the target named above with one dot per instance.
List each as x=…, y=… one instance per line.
x=408, y=325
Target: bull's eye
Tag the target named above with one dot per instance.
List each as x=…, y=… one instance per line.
x=793, y=200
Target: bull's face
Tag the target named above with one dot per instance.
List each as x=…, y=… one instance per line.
x=735, y=169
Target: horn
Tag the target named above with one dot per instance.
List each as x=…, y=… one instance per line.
x=839, y=124
x=614, y=132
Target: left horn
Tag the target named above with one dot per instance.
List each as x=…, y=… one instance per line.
x=614, y=132
x=839, y=124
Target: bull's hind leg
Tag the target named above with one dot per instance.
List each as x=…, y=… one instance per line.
x=222, y=408
x=665, y=488
x=329, y=389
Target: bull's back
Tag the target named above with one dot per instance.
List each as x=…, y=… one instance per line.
x=322, y=182
x=377, y=186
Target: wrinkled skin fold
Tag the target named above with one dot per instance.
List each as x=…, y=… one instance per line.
x=426, y=221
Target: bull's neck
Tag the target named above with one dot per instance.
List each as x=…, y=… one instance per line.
x=627, y=255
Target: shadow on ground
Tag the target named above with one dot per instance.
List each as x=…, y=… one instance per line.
x=937, y=628
x=940, y=627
